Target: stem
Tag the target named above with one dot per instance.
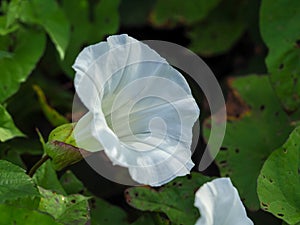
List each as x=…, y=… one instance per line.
x=37, y=165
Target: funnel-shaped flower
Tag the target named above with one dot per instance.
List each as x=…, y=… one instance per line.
x=140, y=109
x=219, y=204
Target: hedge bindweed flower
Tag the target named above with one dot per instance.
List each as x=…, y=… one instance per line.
x=140, y=109
x=219, y=204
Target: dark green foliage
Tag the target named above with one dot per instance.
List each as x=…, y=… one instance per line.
x=175, y=199
x=268, y=125
x=39, y=41
x=280, y=31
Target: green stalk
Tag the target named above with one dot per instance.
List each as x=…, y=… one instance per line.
x=37, y=165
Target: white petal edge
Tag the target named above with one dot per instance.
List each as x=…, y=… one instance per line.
x=219, y=204
x=82, y=134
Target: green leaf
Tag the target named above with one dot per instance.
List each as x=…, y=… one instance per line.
x=13, y=157
x=256, y=126
x=145, y=219
x=85, y=30
x=17, y=188
x=279, y=25
x=46, y=177
x=4, y=30
x=13, y=149
x=50, y=16
x=52, y=115
x=5, y=54
x=106, y=14
x=173, y=11
x=26, y=48
x=151, y=219
x=220, y=30
x=279, y=181
x=62, y=154
x=71, y=183
x=104, y=213
x=68, y=210
x=80, y=30
x=13, y=10
x=22, y=216
x=8, y=130
x=22, y=146
x=175, y=199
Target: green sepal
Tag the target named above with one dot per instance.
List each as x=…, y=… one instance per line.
x=61, y=147
x=62, y=154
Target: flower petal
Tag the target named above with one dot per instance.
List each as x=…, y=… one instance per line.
x=219, y=204
x=142, y=108
x=82, y=134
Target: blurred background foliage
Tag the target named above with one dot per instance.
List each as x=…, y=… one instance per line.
x=253, y=48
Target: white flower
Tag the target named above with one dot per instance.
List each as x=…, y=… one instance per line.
x=140, y=109
x=219, y=204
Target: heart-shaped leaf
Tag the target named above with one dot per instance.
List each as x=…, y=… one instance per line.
x=279, y=181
